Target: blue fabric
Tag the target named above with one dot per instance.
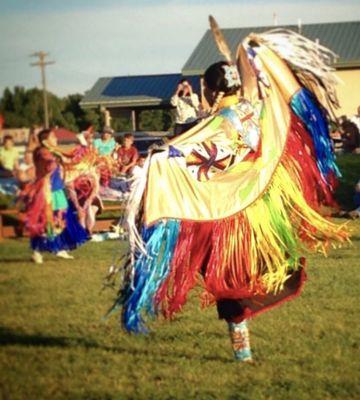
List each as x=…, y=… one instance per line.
x=174, y=152
x=233, y=117
x=56, y=181
x=120, y=184
x=71, y=237
x=150, y=272
x=313, y=116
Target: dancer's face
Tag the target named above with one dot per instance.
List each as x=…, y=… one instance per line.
x=52, y=139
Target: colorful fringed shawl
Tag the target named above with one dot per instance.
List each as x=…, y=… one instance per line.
x=255, y=177
x=51, y=219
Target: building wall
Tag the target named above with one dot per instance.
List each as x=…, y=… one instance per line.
x=349, y=91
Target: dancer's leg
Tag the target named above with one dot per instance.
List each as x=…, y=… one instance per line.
x=64, y=254
x=240, y=340
x=37, y=257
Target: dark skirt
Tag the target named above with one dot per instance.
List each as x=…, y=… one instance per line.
x=181, y=128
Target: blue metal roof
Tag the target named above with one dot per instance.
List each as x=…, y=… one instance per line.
x=136, y=91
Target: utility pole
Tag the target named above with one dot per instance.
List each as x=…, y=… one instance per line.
x=275, y=19
x=42, y=64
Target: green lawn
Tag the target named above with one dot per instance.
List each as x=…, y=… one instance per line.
x=55, y=345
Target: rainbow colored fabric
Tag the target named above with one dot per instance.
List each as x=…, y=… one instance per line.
x=235, y=202
x=51, y=219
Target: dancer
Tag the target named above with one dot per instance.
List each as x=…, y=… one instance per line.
x=82, y=179
x=51, y=220
x=240, y=194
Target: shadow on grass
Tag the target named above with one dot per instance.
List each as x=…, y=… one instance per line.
x=355, y=238
x=9, y=337
x=17, y=261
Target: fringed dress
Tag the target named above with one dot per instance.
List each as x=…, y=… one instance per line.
x=51, y=218
x=233, y=204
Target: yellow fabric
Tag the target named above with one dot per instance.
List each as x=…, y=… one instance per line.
x=176, y=194
x=228, y=101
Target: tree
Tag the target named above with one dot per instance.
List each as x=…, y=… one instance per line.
x=155, y=120
x=24, y=108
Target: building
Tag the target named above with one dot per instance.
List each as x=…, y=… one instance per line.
x=132, y=94
x=129, y=95
x=343, y=38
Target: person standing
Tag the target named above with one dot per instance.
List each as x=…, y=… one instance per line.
x=234, y=201
x=187, y=107
x=356, y=118
x=51, y=218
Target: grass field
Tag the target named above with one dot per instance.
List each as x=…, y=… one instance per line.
x=55, y=345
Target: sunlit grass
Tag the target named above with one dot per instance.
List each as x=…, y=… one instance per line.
x=55, y=344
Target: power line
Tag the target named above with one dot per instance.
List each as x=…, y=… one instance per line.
x=42, y=64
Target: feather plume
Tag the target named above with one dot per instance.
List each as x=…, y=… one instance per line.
x=220, y=40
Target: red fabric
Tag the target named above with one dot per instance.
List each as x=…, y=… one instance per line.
x=36, y=207
x=84, y=186
x=250, y=308
x=79, y=153
x=190, y=257
x=127, y=156
x=44, y=161
x=38, y=214
x=300, y=149
x=220, y=250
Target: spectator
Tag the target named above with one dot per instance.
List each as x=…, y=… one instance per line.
x=336, y=137
x=356, y=118
x=187, y=107
x=137, y=170
x=356, y=212
x=25, y=172
x=123, y=184
x=350, y=135
x=8, y=157
x=106, y=144
x=127, y=155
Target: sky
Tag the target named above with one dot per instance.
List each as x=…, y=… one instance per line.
x=89, y=39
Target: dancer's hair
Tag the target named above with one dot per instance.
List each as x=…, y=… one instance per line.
x=215, y=80
x=44, y=135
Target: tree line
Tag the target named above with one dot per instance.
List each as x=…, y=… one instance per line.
x=22, y=107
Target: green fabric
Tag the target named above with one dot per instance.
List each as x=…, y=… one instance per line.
x=59, y=200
